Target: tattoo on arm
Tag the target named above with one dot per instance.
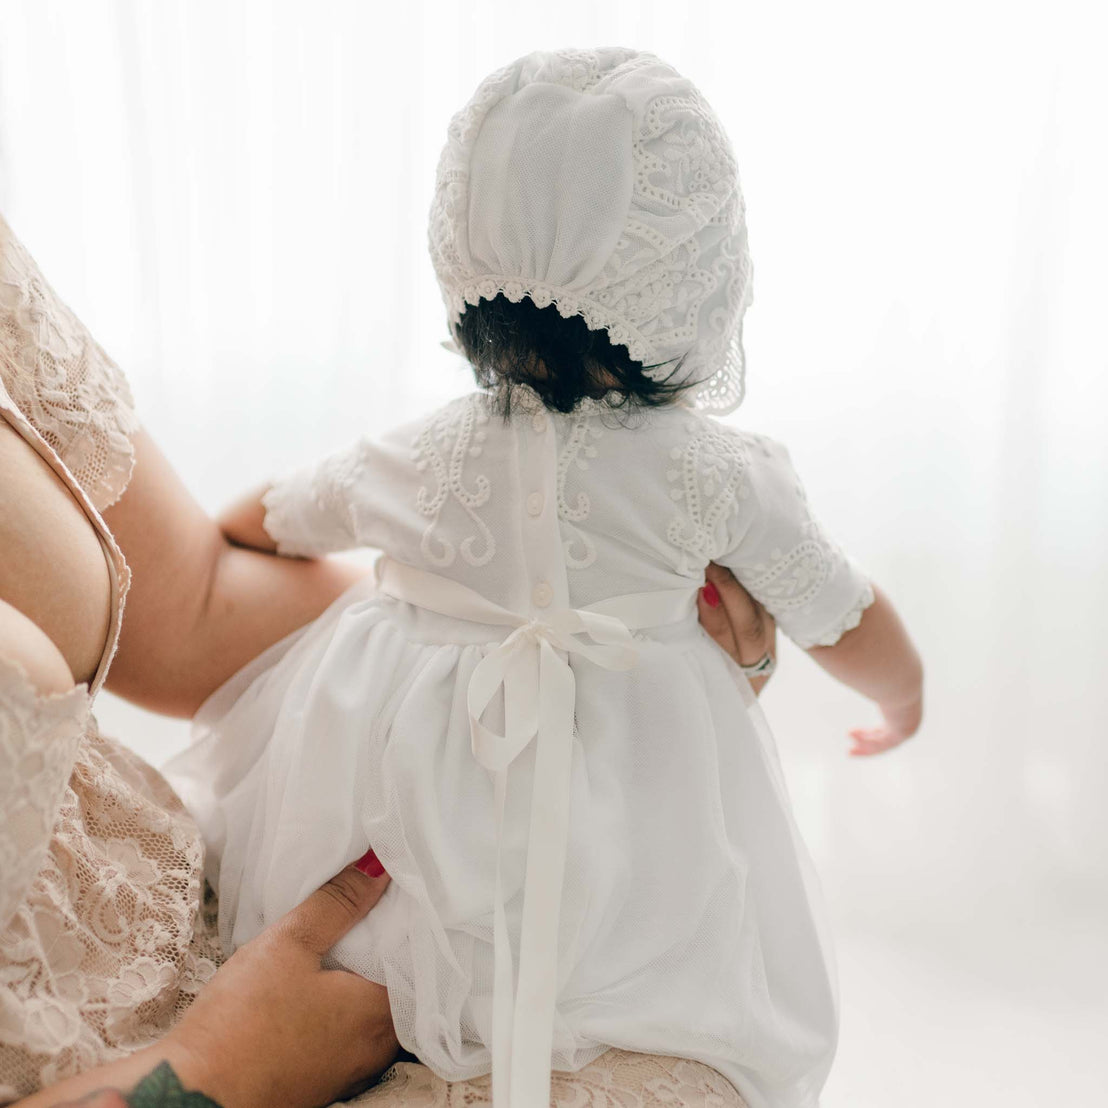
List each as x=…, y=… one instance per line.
x=161, y=1088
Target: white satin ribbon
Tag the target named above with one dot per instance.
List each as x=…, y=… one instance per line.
x=531, y=667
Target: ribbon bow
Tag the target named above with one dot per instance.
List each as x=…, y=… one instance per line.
x=531, y=666
x=523, y=665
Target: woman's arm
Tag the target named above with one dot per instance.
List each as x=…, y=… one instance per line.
x=199, y=607
x=878, y=660
x=243, y=523
x=271, y=1028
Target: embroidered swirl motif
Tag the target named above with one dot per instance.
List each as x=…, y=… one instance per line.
x=446, y=441
x=793, y=580
x=332, y=490
x=707, y=479
x=578, y=449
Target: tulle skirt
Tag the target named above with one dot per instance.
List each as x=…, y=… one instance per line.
x=690, y=919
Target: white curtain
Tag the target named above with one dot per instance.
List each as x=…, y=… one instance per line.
x=233, y=196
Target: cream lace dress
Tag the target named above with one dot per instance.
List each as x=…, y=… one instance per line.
x=104, y=940
x=101, y=940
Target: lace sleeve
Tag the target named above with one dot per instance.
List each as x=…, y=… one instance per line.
x=73, y=394
x=784, y=558
x=38, y=743
x=366, y=494
x=314, y=511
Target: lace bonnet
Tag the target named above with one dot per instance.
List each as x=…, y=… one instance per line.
x=602, y=182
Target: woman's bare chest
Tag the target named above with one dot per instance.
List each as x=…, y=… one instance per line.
x=52, y=565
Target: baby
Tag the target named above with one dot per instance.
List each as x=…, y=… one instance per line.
x=572, y=786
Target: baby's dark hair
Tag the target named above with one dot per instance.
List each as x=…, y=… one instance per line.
x=511, y=344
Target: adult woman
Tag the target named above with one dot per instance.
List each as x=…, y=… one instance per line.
x=103, y=946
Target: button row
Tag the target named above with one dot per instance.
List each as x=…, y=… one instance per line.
x=542, y=595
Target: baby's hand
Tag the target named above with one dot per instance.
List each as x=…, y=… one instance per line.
x=900, y=723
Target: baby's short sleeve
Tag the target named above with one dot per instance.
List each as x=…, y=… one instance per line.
x=783, y=557
x=310, y=513
x=347, y=500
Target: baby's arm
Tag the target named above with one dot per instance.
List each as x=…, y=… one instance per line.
x=311, y=512
x=243, y=522
x=819, y=596
x=877, y=659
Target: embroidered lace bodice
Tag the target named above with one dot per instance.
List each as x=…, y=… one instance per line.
x=101, y=946
x=643, y=503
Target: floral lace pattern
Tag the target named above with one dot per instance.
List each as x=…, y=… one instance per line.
x=443, y=447
x=61, y=380
x=679, y=279
x=38, y=743
x=617, y=1079
x=106, y=945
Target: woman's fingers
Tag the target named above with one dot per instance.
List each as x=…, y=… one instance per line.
x=713, y=618
x=751, y=625
x=737, y=621
x=321, y=920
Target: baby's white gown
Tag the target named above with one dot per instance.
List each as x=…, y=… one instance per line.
x=689, y=918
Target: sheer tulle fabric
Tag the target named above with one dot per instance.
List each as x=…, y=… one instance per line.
x=686, y=918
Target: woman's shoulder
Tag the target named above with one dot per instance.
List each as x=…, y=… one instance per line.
x=61, y=380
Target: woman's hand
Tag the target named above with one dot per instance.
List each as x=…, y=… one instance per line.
x=271, y=1028
x=736, y=621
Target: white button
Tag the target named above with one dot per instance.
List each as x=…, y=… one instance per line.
x=543, y=595
x=538, y=421
x=534, y=504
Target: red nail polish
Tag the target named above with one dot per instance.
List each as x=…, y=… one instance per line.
x=369, y=864
x=711, y=595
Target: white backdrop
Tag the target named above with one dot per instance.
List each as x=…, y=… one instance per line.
x=233, y=196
